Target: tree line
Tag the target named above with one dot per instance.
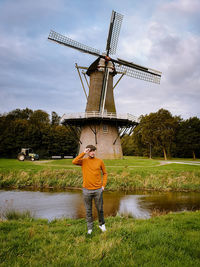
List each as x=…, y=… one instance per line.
x=157, y=134
x=161, y=134
x=35, y=129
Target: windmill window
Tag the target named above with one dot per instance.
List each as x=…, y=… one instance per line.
x=105, y=128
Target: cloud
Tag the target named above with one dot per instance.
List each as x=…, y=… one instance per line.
x=183, y=7
x=26, y=14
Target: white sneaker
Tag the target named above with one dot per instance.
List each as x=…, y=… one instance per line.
x=102, y=227
x=89, y=232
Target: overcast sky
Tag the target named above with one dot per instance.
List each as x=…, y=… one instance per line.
x=160, y=34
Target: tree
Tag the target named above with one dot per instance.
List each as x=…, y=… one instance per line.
x=158, y=129
x=13, y=137
x=39, y=117
x=27, y=128
x=55, y=119
x=127, y=145
x=19, y=114
x=62, y=142
x=188, y=138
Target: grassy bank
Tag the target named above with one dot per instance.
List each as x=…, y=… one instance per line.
x=128, y=174
x=170, y=240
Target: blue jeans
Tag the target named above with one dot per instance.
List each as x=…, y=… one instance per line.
x=88, y=196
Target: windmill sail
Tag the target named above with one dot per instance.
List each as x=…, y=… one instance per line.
x=148, y=75
x=111, y=47
x=61, y=39
x=113, y=34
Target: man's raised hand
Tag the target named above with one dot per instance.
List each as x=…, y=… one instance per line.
x=87, y=150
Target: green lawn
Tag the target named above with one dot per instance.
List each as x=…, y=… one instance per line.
x=16, y=165
x=126, y=162
x=170, y=240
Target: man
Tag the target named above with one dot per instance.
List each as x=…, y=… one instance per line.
x=93, y=184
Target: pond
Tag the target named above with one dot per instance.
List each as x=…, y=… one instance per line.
x=69, y=204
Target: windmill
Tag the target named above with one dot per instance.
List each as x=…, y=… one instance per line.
x=100, y=125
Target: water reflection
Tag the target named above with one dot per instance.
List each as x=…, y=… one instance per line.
x=131, y=205
x=111, y=205
x=172, y=201
x=69, y=204
x=42, y=204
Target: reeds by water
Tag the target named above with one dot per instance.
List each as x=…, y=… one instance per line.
x=165, y=180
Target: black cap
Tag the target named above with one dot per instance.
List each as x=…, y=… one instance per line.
x=91, y=147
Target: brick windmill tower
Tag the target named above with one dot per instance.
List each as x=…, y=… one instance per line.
x=100, y=125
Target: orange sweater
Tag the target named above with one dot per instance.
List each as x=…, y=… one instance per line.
x=91, y=169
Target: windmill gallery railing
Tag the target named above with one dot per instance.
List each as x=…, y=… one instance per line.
x=96, y=114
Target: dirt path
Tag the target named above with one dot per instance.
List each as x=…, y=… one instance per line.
x=197, y=163
x=161, y=163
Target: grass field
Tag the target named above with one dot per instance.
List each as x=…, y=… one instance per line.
x=129, y=173
x=170, y=240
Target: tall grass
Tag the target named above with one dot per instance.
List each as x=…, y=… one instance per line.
x=125, y=180
x=16, y=215
x=46, y=178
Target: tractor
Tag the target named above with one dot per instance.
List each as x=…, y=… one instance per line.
x=27, y=153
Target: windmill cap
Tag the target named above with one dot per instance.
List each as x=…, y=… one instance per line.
x=91, y=147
